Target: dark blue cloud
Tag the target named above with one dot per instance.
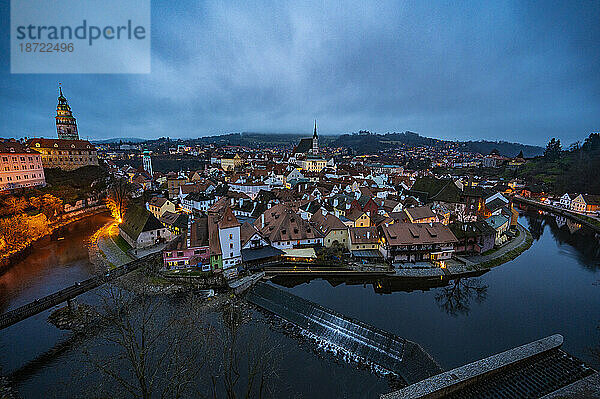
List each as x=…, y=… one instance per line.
x=515, y=71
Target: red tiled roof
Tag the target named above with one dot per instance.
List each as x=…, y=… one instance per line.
x=61, y=144
x=12, y=146
x=363, y=235
x=228, y=220
x=417, y=233
x=328, y=222
x=283, y=224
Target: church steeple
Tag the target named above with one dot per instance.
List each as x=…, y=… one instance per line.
x=315, y=141
x=66, y=125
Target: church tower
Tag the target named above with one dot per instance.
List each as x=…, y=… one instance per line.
x=147, y=162
x=66, y=125
x=315, y=141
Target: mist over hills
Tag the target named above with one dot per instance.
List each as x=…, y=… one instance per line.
x=363, y=142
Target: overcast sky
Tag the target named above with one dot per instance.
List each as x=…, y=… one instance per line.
x=457, y=70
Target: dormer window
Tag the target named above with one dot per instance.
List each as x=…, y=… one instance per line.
x=37, y=144
x=56, y=145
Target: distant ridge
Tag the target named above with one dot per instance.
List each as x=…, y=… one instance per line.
x=366, y=142
x=118, y=139
x=363, y=142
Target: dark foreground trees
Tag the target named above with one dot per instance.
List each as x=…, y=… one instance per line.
x=152, y=348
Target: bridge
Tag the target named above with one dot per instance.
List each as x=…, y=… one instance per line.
x=341, y=334
x=67, y=294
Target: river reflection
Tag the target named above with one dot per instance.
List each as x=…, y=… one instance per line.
x=548, y=289
x=53, y=263
x=581, y=241
x=455, y=299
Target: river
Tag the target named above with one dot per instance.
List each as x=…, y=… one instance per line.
x=548, y=289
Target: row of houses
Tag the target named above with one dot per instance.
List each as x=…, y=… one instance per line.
x=581, y=203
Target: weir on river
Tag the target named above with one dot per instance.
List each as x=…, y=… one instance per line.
x=390, y=352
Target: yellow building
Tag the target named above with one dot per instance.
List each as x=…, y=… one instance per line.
x=65, y=154
x=231, y=164
x=173, y=184
x=313, y=164
x=363, y=239
x=158, y=206
x=334, y=230
x=358, y=218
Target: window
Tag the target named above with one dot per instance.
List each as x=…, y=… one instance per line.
x=231, y=236
x=168, y=254
x=179, y=253
x=231, y=245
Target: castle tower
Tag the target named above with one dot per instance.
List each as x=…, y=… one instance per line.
x=315, y=141
x=147, y=162
x=66, y=125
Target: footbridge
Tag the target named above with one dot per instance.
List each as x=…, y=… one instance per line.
x=67, y=294
x=360, y=340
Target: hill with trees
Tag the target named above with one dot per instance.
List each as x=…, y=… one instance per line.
x=363, y=142
x=574, y=170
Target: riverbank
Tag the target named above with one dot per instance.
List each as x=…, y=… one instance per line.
x=470, y=266
x=110, y=254
x=590, y=222
x=7, y=258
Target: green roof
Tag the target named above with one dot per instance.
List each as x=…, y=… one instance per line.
x=137, y=220
x=430, y=189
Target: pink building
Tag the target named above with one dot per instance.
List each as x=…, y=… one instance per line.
x=20, y=166
x=192, y=249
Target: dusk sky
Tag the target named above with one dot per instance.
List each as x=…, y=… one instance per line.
x=457, y=70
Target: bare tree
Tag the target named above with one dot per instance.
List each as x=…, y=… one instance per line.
x=245, y=359
x=118, y=198
x=149, y=350
x=456, y=298
x=144, y=351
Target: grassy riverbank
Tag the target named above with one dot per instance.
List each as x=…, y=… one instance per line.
x=508, y=256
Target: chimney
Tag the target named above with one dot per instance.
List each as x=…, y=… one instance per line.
x=232, y=200
x=368, y=234
x=262, y=221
